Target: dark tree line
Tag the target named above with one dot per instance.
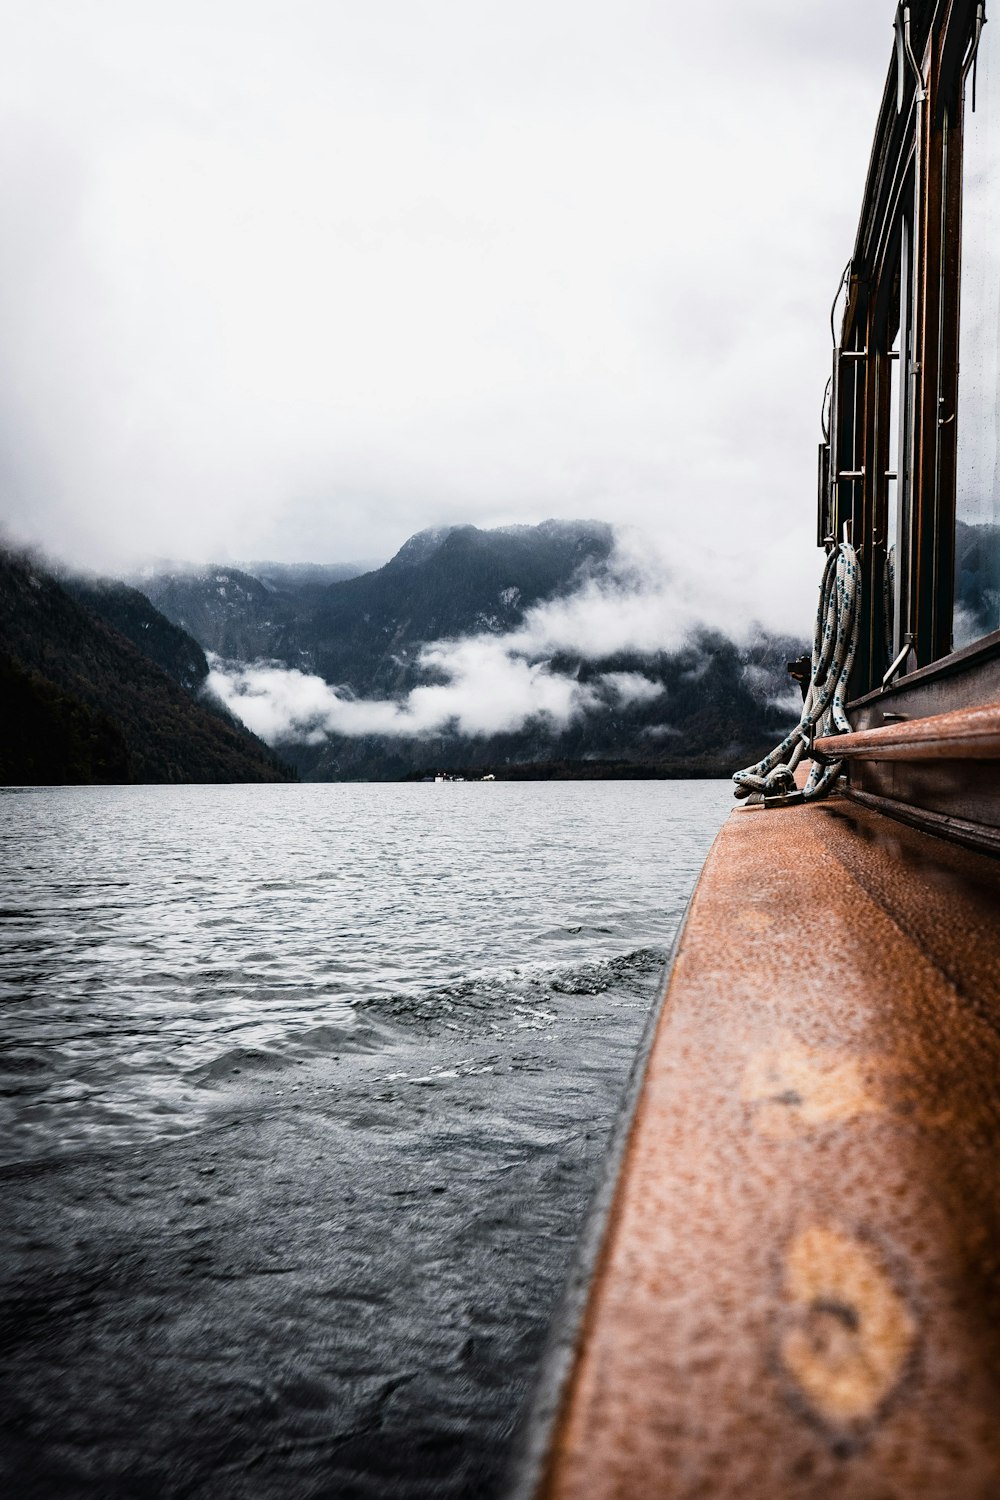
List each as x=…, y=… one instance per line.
x=81, y=702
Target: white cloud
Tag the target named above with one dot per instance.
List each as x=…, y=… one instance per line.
x=631, y=687
x=488, y=690
x=295, y=281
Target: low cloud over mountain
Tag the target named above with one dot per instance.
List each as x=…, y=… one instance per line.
x=495, y=681
x=489, y=689
x=566, y=640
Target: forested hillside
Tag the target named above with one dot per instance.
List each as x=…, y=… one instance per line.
x=82, y=703
x=129, y=612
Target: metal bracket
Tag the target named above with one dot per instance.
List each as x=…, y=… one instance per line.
x=972, y=56
x=904, y=653
x=921, y=92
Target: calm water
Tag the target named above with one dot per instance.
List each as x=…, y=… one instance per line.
x=328, y=1035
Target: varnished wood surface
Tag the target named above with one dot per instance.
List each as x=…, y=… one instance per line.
x=962, y=734
x=798, y=1292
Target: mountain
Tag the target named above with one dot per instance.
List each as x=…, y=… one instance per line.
x=454, y=581
x=704, y=708
x=366, y=631
x=51, y=738
x=237, y=612
x=301, y=579
x=82, y=702
x=229, y=612
x=130, y=613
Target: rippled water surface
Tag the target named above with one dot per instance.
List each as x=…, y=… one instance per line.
x=378, y=1032
x=155, y=937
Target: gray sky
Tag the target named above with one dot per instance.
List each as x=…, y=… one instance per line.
x=294, y=280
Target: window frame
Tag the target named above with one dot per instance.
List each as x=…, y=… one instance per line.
x=913, y=193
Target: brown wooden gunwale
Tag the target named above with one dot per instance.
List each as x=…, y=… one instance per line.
x=797, y=1291
x=962, y=734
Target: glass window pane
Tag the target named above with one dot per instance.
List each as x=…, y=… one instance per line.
x=977, y=539
x=892, y=510
x=895, y=340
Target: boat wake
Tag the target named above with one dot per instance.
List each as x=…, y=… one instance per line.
x=526, y=996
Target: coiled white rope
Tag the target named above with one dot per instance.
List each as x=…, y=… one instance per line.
x=834, y=644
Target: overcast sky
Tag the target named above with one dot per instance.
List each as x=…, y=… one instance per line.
x=293, y=280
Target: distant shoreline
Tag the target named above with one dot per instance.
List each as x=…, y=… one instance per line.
x=585, y=770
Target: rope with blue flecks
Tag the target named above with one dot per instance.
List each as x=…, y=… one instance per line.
x=834, y=644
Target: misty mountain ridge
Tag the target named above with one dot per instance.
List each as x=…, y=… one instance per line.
x=366, y=631
x=431, y=660
x=446, y=583
x=237, y=610
x=97, y=686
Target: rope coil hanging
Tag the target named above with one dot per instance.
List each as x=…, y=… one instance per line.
x=834, y=644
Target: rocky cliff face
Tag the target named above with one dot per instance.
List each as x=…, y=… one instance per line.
x=237, y=613
x=226, y=610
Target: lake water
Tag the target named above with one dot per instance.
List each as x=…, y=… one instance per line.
x=303, y=1094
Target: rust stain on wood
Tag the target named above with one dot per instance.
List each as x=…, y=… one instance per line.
x=795, y=1088
x=849, y=1332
